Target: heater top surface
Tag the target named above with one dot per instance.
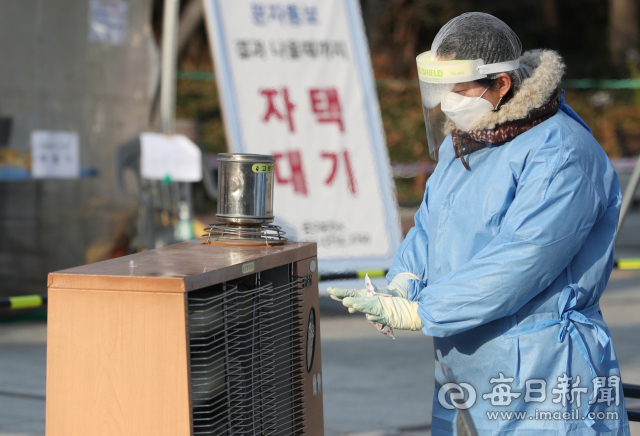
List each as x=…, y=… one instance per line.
x=181, y=267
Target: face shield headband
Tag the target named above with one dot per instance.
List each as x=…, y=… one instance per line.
x=437, y=78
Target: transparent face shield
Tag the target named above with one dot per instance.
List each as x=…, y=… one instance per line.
x=437, y=79
x=434, y=119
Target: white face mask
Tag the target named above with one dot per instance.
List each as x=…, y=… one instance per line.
x=464, y=111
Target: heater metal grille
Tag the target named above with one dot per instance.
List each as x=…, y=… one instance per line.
x=230, y=234
x=247, y=358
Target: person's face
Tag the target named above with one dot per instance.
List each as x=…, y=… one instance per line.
x=493, y=95
x=469, y=89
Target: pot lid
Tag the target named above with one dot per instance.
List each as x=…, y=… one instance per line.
x=245, y=157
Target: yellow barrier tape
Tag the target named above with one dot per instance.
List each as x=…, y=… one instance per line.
x=629, y=264
x=198, y=227
x=26, y=301
x=372, y=273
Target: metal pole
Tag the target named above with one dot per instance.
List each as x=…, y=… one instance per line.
x=169, y=65
x=170, y=33
x=627, y=198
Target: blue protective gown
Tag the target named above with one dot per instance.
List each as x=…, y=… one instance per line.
x=513, y=257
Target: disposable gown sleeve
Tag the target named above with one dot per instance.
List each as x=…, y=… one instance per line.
x=553, y=210
x=412, y=255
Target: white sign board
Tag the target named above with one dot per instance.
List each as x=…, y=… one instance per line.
x=172, y=158
x=108, y=21
x=296, y=82
x=55, y=154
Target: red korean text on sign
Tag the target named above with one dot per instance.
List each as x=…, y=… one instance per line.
x=272, y=95
x=333, y=157
x=326, y=105
x=293, y=160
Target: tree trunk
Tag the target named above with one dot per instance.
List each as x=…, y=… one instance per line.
x=550, y=12
x=371, y=11
x=623, y=29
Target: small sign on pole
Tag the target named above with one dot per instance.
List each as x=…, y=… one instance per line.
x=172, y=158
x=108, y=21
x=55, y=154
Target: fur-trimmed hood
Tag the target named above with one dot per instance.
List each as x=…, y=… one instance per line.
x=548, y=68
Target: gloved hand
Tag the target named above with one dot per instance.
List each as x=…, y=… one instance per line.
x=399, y=287
x=395, y=312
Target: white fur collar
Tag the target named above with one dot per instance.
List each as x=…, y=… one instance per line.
x=548, y=68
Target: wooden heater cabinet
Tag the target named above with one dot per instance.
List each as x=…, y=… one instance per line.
x=187, y=339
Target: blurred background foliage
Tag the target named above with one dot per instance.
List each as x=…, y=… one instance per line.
x=597, y=38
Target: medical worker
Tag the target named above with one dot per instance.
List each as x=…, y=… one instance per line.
x=512, y=246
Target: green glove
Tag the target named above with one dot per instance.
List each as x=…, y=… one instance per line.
x=399, y=287
x=395, y=312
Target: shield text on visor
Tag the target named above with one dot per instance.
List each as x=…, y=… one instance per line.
x=438, y=78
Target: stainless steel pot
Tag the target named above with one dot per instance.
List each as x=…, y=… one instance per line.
x=245, y=182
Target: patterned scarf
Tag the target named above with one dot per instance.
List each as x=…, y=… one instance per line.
x=465, y=143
